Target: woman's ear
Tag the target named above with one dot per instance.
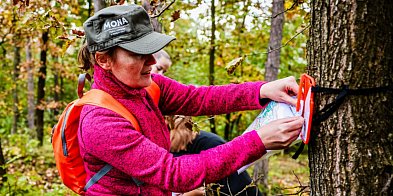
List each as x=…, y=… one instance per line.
x=103, y=61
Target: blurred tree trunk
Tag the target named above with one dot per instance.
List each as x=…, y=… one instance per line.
x=351, y=43
x=261, y=168
x=41, y=89
x=56, y=85
x=30, y=87
x=89, y=5
x=2, y=168
x=232, y=124
x=273, y=57
x=211, y=60
x=99, y=5
x=157, y=26
x=15, y=98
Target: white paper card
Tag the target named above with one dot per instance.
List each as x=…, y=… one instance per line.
x=273, y=111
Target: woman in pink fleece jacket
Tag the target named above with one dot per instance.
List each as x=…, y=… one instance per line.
x=120, y=41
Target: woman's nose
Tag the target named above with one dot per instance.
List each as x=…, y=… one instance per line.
x=150, y=60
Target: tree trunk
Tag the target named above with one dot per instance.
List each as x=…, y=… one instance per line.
x=56, y=85
x=211, y=60
x=351, y=43
x=99, y=5
x=30, y=87
x=41, y=90
x=157, y=26
x=261, y=168
x=15, y=97
x=273, y=58
x=2, y=168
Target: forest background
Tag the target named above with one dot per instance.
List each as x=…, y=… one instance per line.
x=39, y=42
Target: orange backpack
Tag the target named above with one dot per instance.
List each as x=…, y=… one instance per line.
x=65, y=135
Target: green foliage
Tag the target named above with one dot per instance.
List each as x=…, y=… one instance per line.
x=30, y=169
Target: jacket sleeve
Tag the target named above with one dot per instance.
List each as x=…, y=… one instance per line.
x=177, y=98
x=113, y=140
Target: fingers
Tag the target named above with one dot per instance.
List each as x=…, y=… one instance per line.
x=292, y=85
x=288, y=99
x=288, y=119
x=297, y=123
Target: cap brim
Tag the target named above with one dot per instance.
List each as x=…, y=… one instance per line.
x=148, y=44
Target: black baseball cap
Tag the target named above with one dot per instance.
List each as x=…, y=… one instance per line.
x=126, y=26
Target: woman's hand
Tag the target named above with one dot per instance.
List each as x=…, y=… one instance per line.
x=279, y=134
x=280, y=90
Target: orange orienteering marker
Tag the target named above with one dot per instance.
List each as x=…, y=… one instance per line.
x=305, y=104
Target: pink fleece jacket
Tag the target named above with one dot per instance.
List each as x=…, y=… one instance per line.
x=105, y=137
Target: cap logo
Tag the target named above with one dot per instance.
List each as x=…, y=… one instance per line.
x=115, y=23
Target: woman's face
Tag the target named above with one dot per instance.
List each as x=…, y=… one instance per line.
x=132, y=69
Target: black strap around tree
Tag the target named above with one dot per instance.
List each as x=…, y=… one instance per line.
x=330, y=108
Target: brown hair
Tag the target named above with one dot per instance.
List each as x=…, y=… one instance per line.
x=162, y=53
x=181, y=132
x=87, y=59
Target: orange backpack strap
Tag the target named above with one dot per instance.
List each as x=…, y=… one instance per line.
x=154, y=91
x=102, y=99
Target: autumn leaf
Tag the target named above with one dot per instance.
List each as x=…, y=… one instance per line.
x=175, y=15
x=63, y=37
x=231, y=66
x=66, y=45
x=78, y=32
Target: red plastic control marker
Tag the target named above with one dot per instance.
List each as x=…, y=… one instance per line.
x=306, y=96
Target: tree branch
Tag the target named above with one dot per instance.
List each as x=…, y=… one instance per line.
x=295, y=3
x=163, y=10
x=286, y=43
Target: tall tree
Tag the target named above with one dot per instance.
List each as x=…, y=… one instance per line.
x=41, y=88
x=261, y=168
x=154, y=7
x=15, y=75
x=15, y=95
x=2, y=168
x=351, y=43
x=99, y=5
x=30, y=86
x=211, y=54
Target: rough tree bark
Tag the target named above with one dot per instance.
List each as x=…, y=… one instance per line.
x=351, y=43
x=261, y=168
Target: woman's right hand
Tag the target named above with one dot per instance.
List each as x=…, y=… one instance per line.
x=279, y=134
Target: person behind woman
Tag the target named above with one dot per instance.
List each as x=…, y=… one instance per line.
x=186, y=141
x=120, y=44
x=163, y=62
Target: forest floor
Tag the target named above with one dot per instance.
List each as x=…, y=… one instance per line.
x=288, y=176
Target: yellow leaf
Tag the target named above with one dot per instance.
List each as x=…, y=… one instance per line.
x=231, y=66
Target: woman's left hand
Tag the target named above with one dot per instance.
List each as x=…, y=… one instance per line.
x=280, y=90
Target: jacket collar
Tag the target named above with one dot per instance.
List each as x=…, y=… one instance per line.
x=106, y=81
